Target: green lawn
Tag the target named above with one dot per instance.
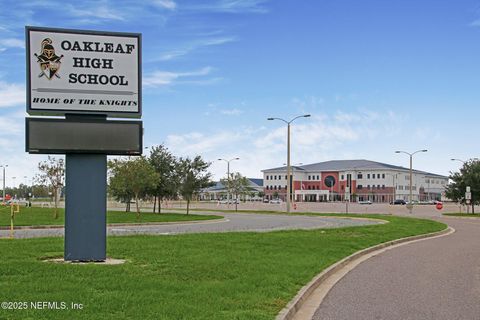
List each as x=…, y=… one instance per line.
x=44, y=216
x=189, y=276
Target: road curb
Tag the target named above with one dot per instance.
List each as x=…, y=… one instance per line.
x=118, y=224
x=296, y=304
x=461, y=217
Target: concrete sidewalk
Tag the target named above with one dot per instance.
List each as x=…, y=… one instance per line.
x=432, y=279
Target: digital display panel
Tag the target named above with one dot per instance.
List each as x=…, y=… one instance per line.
x=60, y=136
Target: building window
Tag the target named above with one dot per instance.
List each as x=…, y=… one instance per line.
x=318, y=177
x=343, y=177
x=383, y=175
x=359, y=187
x=309, y=187
x=373, y=187
x=378, y=187
x=378, y=176
x=368, y=176
x=309, y=178
x=373, y=176
x=383, y=186
x=267, y=177
x=360, y=176
x=368, y=187
x=285, y=187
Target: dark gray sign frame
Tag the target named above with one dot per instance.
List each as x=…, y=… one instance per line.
x=62, y=112
x=77, y=120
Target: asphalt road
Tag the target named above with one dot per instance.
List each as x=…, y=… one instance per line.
x=233, y=222
x=432, y=279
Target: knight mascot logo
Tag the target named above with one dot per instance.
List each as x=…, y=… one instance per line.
x=49, y=62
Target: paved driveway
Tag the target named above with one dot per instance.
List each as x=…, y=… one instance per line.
x=232, y=222
x=431, y=279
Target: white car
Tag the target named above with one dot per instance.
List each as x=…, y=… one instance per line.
x=276, y=201
x=365, y=202
x=231, y=201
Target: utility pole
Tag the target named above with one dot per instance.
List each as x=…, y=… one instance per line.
x=228, y=176
x=410, y=204
x=289, y=178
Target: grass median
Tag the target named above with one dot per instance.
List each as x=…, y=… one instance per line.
x=35, y=216
x=241, y=275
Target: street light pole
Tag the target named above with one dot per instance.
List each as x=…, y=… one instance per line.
x=289, y=195
x=410, y=204
x=293, y=191
x=228, y=176
x=4, y=166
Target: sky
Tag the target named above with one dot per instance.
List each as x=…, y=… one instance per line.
x=376, y=76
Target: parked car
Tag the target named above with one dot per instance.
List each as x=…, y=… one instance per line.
x=231, y=201
x=399, y=201
x=276, y=201
x=365, y=202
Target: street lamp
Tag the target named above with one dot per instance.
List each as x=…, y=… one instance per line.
x=228, y=176
x=4, y=166
x=410, y=204
x=463, y=161
x=26, y=187
x=288, y=155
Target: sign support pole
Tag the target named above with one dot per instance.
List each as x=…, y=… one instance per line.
x=85, y=207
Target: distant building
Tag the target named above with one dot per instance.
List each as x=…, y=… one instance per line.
x=219, y=191
x=356, y=180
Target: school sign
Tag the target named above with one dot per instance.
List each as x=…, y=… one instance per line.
x=85, y=76
x=74, y=71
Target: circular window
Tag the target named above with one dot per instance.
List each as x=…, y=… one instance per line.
x=330, y=181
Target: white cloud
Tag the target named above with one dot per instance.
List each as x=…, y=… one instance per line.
x=475, y=23
x=231, y=112
x=234, y=6
x=12, y=43
x=167, y=4
x=100, y=12
x=11, y=95
x=339, y=135
x=196, y=45
x=165, y=78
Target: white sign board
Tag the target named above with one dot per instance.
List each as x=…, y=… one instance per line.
x=468, y=189
x=83, y=72
x=468, y=196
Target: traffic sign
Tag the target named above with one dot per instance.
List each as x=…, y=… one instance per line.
x=468, y=196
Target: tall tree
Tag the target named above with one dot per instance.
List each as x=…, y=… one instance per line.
x=143, y=179
x=52, y=171
x=469, y=175
x=239, y=185
x=132, y=179
x=164, y=164
x=119, y=186
x=192, y=177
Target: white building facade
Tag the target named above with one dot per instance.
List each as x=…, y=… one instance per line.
x=353, y=180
